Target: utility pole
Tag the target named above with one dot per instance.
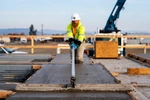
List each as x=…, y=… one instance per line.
x=42, y=29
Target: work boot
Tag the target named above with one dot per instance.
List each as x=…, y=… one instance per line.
x=78, y=62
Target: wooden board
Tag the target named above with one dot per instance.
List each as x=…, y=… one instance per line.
x=5, y=93
x=142, y=59
x=106, y=49
x=36, y=67
x=148, y=61
x=138, y=71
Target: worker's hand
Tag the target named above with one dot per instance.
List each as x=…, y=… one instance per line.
x=77, y=42
x=71, y=40
x=73, y=45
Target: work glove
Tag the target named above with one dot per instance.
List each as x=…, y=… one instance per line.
x=73, y=45
x=71, y=40
x=77, y=42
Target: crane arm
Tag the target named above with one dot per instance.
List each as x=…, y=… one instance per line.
x=110, y=25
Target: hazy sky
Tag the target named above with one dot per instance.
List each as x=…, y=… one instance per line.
x=56, y=14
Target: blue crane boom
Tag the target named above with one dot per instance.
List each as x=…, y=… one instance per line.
x=110, y=25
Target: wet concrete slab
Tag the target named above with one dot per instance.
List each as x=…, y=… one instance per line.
x=147, y=56
x=61, y=74
x=26, y=59
x=70, y=96
x=23, y=57
x=5, y=86
x=66, y=59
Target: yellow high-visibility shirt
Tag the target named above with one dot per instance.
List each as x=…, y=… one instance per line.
x=78, y=33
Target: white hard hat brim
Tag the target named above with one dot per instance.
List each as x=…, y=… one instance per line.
x=75, y=19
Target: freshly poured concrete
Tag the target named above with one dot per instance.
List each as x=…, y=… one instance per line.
x=69, y=96
x=23, y=57
x=59, y=72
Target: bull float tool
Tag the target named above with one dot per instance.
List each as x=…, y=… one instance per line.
x=73, y=78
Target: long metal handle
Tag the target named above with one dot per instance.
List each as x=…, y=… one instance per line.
x=72, y=79
x=73, y=63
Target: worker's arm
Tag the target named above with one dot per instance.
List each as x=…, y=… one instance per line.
x=69, y=31
x=81, y=36
x=70, y=34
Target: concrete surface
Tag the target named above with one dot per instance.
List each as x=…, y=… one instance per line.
x=69, y=96
x=15, y=73
x=25, y=57
x=120, y=66
x=6, y=86
x=66, y=59
x=147, y=56
x=4, y=68
x=145, y=91
x=59, y=72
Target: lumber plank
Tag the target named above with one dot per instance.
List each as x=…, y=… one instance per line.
x=5, y=93
x=36, y=67
x=142, y=59
x=148, y=61
x=138, y=71
x=115, y=74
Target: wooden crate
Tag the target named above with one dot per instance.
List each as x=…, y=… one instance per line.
x=106, y=49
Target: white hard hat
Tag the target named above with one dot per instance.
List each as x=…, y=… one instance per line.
x=75, y=16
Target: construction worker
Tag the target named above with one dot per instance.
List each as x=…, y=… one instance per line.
x=76, y=35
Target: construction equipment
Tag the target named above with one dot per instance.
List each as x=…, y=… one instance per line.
x=110, y=28
x=73, y=78
x=111, y=25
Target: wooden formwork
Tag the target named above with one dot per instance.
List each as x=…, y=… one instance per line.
x=132, y=55
x=36, y=67
x=148, y=61
x=5, y=93
x=138, y=71
x=106, y=49
x=142, y=59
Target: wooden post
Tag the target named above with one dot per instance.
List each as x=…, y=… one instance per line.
x=32, y=44
x=145, y=50
x=116, y=37
x=5, y=93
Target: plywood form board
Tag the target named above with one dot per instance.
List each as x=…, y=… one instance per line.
x=138, y=71
x=106, y=49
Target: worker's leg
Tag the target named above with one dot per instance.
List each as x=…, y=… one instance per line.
x=80, y=52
